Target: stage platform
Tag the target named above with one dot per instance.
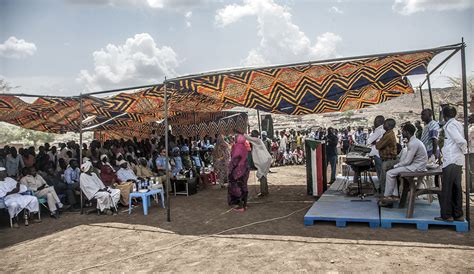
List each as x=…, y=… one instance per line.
x=423, y=217
x=334, y=206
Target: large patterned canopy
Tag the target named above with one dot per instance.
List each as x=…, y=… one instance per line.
x=292, y=89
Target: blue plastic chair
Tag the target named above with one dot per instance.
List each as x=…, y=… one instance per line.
x=146, y=199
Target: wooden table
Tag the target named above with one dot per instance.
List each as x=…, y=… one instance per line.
x=411, y=188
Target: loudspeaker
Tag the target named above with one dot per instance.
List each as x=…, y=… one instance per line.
x=267, y=125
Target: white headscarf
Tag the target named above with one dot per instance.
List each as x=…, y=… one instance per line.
x=86, y=166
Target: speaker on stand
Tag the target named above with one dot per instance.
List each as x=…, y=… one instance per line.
x=267, y=125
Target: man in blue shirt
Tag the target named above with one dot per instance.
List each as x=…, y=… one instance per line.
x=71, y=177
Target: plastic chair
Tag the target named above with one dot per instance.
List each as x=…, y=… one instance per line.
x=146, y=199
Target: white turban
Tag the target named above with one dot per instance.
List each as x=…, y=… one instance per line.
x=86, y=166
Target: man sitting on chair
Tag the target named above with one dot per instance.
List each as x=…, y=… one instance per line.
x=10, y=191
x=413, y=160
x=126, y=179
x=107, y=198
x=36, y=183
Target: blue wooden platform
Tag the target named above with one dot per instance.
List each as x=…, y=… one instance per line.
x=334, y=206
x=423, y=217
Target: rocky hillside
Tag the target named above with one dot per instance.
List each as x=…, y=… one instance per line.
x=403, y=108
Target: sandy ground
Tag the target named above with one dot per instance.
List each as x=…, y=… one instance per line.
x=205, y=236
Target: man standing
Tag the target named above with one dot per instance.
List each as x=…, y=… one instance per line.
x=14, y=163
x=262, y=160
x=373, y=139
x=10, y=191
x=414, y=160
x=387, y=147
x=453, y=160
x=360, y=136
x=331, y=152
x=429, y=134
x=283, y=142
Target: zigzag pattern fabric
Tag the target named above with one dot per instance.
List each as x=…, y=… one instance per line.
x=225, y=125
x=308, y=89
x=294, y=90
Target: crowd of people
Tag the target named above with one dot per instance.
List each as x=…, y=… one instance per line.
x=111, y=170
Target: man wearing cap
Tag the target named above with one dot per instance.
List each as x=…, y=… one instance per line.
x=177, y=163
x=262, y=160
x=107, y=198
x=126, y=178
x=10, y=191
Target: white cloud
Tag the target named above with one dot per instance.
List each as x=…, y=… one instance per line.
x=17, y=48
x=281, y=40
x=188, y=15
x=138, y=61
x=407, y=7
x=335, y=9
x=176, y=4
x=157, y=4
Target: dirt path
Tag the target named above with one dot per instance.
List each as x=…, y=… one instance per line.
x=205, y=236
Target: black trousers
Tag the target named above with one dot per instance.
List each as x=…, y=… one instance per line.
x=451, y=192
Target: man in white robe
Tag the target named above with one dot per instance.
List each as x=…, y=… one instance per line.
x=262, y=160
x=15, y=202
x=107, y=198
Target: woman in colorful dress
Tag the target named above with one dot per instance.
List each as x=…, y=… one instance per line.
x=238, y=175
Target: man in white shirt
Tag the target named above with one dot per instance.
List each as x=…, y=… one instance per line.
x=41, y=189
x=283, y=141
x=415, y=159
x=127, y=179
x=107, y=198
x=10, y=191
x=373, y=139
x=453, y=160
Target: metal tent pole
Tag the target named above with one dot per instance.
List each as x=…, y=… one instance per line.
x=168, y=188
x=442, y=62
x=431, y=96
x=421, y=95
x=81, y=111
x=259, y=123
x=466, y=133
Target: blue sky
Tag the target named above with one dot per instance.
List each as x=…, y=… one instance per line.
x=69, y=46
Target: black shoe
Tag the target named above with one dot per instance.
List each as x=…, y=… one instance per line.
x=54, y=215
x=450, y=219
x=385, y=203
x=65, y=208
x=459, y=219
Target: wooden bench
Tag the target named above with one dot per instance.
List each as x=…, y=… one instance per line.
x=411, y=187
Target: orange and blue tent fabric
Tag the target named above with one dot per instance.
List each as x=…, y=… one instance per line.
x=292, y=89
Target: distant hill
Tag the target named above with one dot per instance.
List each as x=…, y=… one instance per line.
x=403, y=108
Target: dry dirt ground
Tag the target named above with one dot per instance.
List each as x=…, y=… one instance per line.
x=205, y=236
